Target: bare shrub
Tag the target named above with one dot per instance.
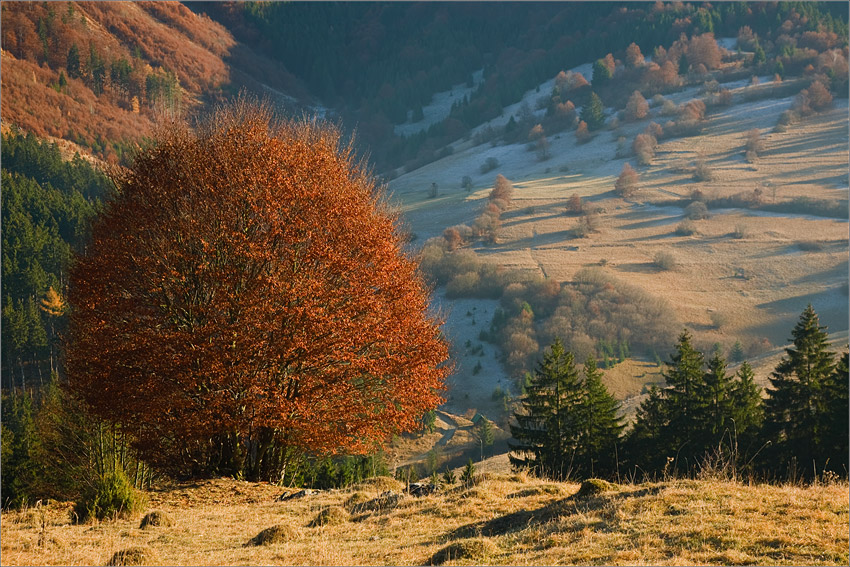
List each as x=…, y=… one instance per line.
x=686, y=228
x=644, y=148
x=587, y=225
x=574, y=204
x=453, y=238
x=718, y=319
x=583, y=135
x=626, y=184
x=637, y=107
x=463, y=285
x=754, y=145
x=702, y=171
x=489, y=165
x=664, y=261
x=669, y=108
x=696, y=211
x=502, y=189
x=739, y=232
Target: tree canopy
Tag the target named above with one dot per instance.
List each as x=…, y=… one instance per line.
x=245, y=295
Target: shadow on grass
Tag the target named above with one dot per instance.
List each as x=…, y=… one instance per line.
x=522, y=519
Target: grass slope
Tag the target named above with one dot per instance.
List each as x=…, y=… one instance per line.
x=503, y=519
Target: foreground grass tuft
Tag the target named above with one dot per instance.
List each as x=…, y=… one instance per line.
x=476, y=550
x=331, y=516
x=275, y=534
x=134, y=556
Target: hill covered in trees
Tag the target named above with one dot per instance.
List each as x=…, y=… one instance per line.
x=100, y=73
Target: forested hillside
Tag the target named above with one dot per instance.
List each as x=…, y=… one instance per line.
x=101, y=74
x=379, y=63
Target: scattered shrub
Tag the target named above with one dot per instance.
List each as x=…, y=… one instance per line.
x=686, y=228
x=637, y=107
x=719, y=319
x=664, y=261
x=156, y=518
x=135, y=556
x=489, y=165
x=111, y=496
x=276, y=534
x=626, y=184
x=583, y=135
x=814, y=99
x=475, y=550
x=574, y=204
x=330, y=516
x=702, y=171
x=587, y=225
x=696, y=211
x=644, y=148
x=753, y=145
x=739, y=232
x=594, y=486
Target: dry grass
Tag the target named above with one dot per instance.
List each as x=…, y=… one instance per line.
x=503, y=520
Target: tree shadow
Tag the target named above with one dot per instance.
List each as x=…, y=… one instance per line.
x=522, y=519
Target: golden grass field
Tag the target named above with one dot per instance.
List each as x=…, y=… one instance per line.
x=501, y=520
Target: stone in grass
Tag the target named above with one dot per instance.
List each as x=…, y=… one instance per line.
x=594, y=486
x=331, y=516
x=275, y=534
x=134, y=556
x=156, y=518
x=477, y=550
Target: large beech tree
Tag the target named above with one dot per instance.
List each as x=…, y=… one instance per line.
x=245, y=297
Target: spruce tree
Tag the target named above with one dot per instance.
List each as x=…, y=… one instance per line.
x=593, y=113
x=835, y=421
x=684, y=376
x=547, y=429
x=601, y=426
x=601, y=73
x=484, y=434
x=648, y=444
x=714, y=401
x=747, y=411
x=796, y=403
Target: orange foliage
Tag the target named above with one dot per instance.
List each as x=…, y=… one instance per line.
x=634, y=58
x=703, y=50
x=636, y=107
x=503, y=189
x=246, y=293
x=626, y=184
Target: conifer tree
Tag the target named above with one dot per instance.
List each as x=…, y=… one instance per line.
x=648, y=444
x=484, y=434
x=593, y=113
x=684, y=377
x=796, y=403
x=548, y=427
x=601, y=426
x=835, y=422
x=714, y=405
x=747, y=410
